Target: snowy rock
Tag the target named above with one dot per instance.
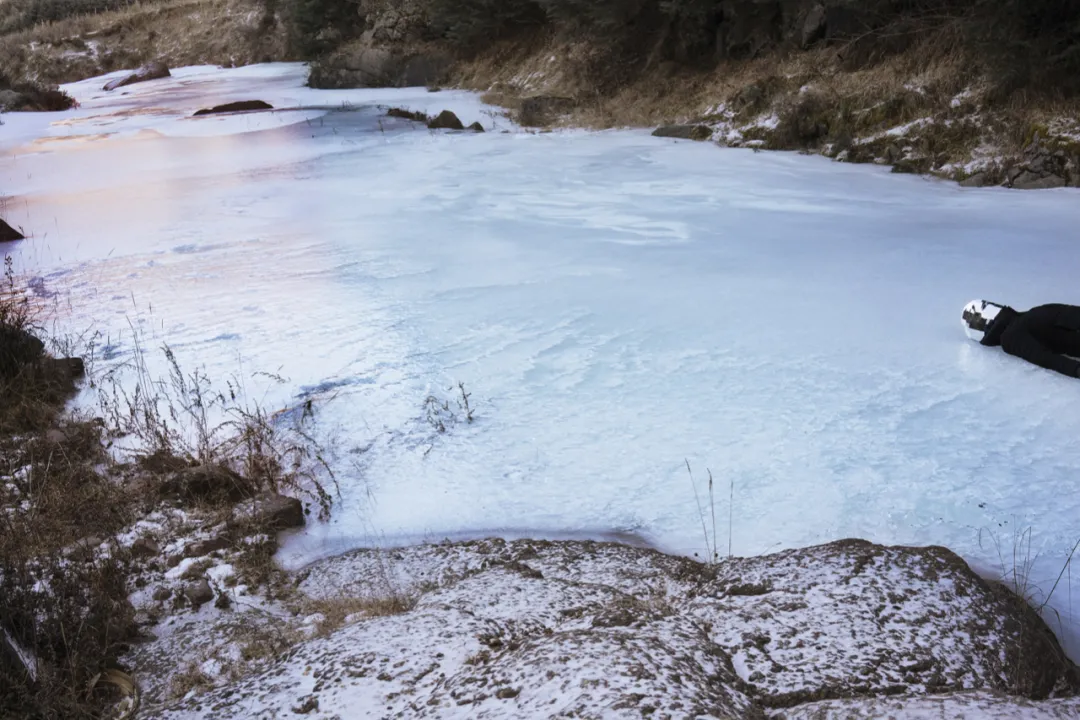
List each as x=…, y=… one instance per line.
x=8, y=233
x=151, y=71
x=145, y=547
x=966, y=705
x=198, y=592
x=238, y=106
x=584, y=629
x=272, y=512
x=445, y=120
x=162, y=593
x=205, y=547
x=477, y=127
x=684, y=132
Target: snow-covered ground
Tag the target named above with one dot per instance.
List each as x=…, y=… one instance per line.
x=614, y=303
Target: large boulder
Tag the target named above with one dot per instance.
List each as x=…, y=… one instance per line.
x=652, y=635
x=445, y=120
x=150, y=71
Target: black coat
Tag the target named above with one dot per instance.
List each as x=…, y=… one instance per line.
x=1044, y=335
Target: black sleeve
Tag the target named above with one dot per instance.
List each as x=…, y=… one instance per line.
x=1023, y=345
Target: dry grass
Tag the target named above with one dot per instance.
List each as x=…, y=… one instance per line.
x=178, y=32
x=814, y=100
x=335, y=612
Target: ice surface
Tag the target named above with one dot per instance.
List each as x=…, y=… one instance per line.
x=614, y=302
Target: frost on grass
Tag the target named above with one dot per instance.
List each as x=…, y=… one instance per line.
x=584, y=629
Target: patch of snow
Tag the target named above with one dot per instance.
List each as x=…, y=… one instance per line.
x=961, y=98
x=536, y=629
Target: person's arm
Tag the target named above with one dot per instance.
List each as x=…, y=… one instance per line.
x=1023, y=345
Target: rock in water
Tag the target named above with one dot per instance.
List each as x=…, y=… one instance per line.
x=684, y=132
x=446, y=120
x=8, y=233
x=150, y=71
x=238, y=106
x=477, y=127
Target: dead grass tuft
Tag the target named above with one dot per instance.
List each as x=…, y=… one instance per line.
x=335, y=612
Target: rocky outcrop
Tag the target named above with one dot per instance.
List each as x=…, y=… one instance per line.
x=238, y=106
x=1044, y=166
x=8, y=233
x=499, y=629
x=151, y=71
x=363, y=65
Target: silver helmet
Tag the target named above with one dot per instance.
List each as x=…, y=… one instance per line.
x=978, y=314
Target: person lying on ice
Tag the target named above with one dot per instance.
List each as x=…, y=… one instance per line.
x=1045, y=335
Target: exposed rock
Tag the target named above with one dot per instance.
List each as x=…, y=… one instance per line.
x=813, y=28
x=205, y=547
x=445, y=120
x=748, y=27
x=415, y=116
x=8, y=233
x=208, y=482
x=145, y=547
x=11, y=100
x=198, y=592
x=238, y=106
x=18, y=348
x=150, y=71
x=540, y=110
x=367, y=65
x=64, y=368
x=272, y=512
x=745, y=638
x=477, y=127
x=977, y=180
x=56, y=436
x=684, y=132
x=1028, y=180
x=162, y=593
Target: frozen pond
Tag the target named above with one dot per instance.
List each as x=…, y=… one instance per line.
x=615, y=303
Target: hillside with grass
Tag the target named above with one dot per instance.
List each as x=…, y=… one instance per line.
x=982, y=93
